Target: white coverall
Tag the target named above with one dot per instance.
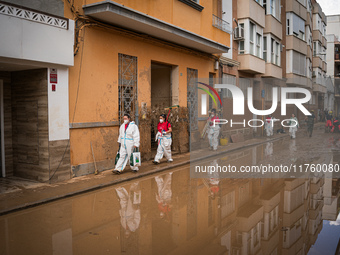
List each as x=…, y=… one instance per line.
x=129, y=207
x=164, y=146
x=269, y=126
x=164, y=192
x=128, y=139
x=164, y=188
x=293, y=128
x=268, y=151
x=213, y=133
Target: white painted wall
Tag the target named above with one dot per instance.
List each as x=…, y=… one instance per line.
x=58, y=107
x=26, y=40
x=330, y=54
x=227, y=15
x=289, y=61
x=333, y=25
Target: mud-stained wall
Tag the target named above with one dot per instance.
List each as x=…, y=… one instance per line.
x=105, y=146
x=178, y=118
x=59, y=160
x=94, y=97
x=180, y=121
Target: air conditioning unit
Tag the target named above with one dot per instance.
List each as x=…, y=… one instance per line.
x=239, y=33
x=314, y=74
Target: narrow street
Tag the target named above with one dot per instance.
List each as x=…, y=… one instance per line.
x=170, y=213
x=169, y=127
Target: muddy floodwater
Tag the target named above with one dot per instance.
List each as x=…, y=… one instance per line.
x=171, y=213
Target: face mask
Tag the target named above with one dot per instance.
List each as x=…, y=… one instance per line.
x=212, y=115
x=161, y=120
x=126, y=121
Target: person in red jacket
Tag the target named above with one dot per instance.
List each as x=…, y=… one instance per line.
x=164, y=140
x=336, y=125
x=329, y=119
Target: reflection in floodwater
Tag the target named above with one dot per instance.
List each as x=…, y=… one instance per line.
x=170, y=213
x=164, y=194
x=269, y=149
x=284, y=158
x=212, y=183
x=129, y=216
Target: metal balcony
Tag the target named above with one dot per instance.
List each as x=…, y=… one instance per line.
x=221, y=24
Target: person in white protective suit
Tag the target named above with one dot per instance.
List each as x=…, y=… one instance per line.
x=164, y=140
x=269, y=125
x=293, y=126
x=129, y=208
x=213, y=181
x=164, y=194
x=268, y=151
x=214, y=130
x=128, y=139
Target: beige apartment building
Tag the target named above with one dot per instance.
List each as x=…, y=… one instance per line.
x=333, y=56
x=279, y=43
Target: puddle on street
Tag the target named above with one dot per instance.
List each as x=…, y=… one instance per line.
x=171, y=213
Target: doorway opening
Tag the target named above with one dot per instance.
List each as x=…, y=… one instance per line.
x=161, y=95
x=2, y=132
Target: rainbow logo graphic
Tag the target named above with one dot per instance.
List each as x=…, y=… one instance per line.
x=208, y=92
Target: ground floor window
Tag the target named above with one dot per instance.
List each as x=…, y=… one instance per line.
x=127, y=86
x=192, y=75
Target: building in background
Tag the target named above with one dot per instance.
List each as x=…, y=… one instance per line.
x=333, y=56
x=319, y=56
x=277, y=44
x=35, y=55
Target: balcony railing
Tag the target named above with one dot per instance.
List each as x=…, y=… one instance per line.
x=33, y=15
x=221, y=24
x=320, y=81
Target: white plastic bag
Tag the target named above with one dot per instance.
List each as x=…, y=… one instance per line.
x=137, y=160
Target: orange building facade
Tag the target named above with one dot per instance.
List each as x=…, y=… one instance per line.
x=138, y=58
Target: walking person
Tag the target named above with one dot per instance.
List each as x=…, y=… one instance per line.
x=329, y=120
x=269, y=125
x=164, y=140
x=129, y=140
x=310, y=123
x=214, y=130
x=294, y=124
x=336, y=125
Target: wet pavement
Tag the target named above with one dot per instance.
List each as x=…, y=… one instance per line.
x=16, y=193
x=170, y=213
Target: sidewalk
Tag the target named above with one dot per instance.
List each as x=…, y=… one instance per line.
x=17, y=194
